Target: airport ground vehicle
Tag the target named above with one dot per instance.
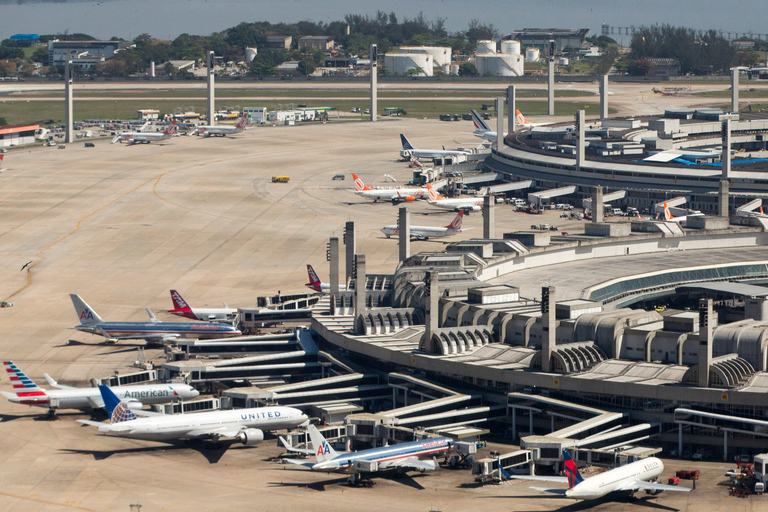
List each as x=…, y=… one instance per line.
x=338, y=176
x=692, y=474
x=281, y=179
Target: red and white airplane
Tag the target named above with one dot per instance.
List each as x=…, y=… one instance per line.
x=317, y=285
x=2, y=156
x=523, y=122
x=182, y=308
x=396, y=195
x=459, y=204
x=221, y=131
x=427, y=232
x=669, y=218
x=146, y=137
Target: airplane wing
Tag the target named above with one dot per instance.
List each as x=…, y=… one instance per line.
x=551, y=491
x=410, y=462
x=53, y=383
x=640, y=485
x=96, y=403
x=304, y=463
x=292, y=449
x=215, y=432
x=558, y=479
x=92, y=423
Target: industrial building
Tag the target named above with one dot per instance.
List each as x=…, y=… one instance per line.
x=316, y=43
x=84, y=54
x=421, y=64
x=17, y=134
x=507, y=62
x=540, y=37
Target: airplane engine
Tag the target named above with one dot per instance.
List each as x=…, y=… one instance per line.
x=134, y=404
x=653, y=492
x=410, y=198
x=250, y=436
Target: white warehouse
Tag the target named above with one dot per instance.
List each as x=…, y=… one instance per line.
x=401, y=63
x=441, y=55
x=499, y=64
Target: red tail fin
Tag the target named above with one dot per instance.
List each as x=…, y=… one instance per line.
x=241, y=124
x=171, y=129
x=178, y=301
x=313, y=279
x=2, y=155
x=456, y=224
x=359, y=185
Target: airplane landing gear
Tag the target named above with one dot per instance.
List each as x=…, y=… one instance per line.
x=51, y=415
x=361, y=480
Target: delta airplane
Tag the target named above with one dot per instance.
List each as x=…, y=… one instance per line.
x=669, y=218
x=630, y=479
x=244, y=425
x=411, y=152
x=146, y=137
x=221, y=131
x=317, y=285
x=153, y=331
x=427, y=232
x=359, y=465
x=26, y=392
x=464, y=203
x=182, y=308
x=396, y=195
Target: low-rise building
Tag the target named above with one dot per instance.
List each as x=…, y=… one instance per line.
x=83, y=54
x=17, y=134
x=316, y=42
x=279, y=42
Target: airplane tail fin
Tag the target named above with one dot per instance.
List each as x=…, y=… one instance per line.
x=2, y=156
x=323, y=450
x=574, y=478
x=152, y=317
x=433, y=195
x=118, y=410
x=313, y=279
x=24, y=387
x=521, y=120
x=171, y=129
x=667, y=216
x=479, y=122
x=178, y=301
x=86, y=314
x=241, y=124
x=406, y=144
x=456, y=224
x=359, y=185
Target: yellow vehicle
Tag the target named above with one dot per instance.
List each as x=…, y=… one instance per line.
x=281, y=179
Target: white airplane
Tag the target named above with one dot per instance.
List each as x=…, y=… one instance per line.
x=482, y=130
x=669, y=218
x=427, y=232
x=631, y=478
x=182, y=308
x=360, y=464
x=411, y=152
x=221, y=131
x=524, y=123
x=463, y=203
x=396, y=195
x=317, y=285
x=244, y=425
x=26, y=392
x=134, y=137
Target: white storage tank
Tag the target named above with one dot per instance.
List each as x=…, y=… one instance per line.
x=455, y=69
x=532, y=55
x=486, y=46
x=441, y=55
x=250, y=54
x=446, y=69
x=564, y=61
x=510, y=46
x=501, y=64
x=401, y=63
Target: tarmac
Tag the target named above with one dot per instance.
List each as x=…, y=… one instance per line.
x=122, y=225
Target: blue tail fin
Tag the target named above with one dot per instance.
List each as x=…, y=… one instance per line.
x=574, y=478
x=406, y=144
x=480, y=124
x=504, y=474
x=118, y=411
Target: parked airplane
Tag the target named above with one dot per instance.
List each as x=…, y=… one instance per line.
x=146, y=137
x=317, y=285
x=669, y=218
x=522, y=121
x=427, y=232
x=482, y=129
x=182, y=308
x=463, y=203
x=360, y=465
x=396, y=195
x=244, y=425
x=631, y=478
x=67, y=397
x=153, y=331
x=221, y=131
x=411, y=152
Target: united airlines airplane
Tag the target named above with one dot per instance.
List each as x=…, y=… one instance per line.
x=153, y=331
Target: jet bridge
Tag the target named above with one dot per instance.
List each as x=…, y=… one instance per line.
x=607, y=199
x=508, y=187
x=538, y=198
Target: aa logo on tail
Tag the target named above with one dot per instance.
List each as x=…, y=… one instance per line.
x=324, y=449
x=86, y=315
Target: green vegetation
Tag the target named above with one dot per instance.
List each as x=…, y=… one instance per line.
x=698, y=52
x=749, y=93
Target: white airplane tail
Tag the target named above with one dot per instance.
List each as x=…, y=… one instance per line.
x=456, y=224
x=85, y=313
x=323, y=450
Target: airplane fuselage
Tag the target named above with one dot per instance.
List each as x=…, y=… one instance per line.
x=391, y=194
x=614, y=480
x=220, y=131
x=206, y=314
x=343, y=463
x=432, y=153
x=421, y=231
x=89, y=398
x=468, y=203
x=156, y=329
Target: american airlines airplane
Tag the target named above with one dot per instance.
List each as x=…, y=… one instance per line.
x=459, y=204
x=221, y=131
x=26, y=392
x=317, y=285
x=153, y=331
x=411, y=152
x=634, y=477
x=182, y=308
x=427, y=232
x=146, y=137
x=360, y=465
x=244, y=425
x=396, y=195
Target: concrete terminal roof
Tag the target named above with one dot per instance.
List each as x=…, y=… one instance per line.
x=729, y=288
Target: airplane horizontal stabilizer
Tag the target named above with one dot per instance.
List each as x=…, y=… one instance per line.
x=92, y=423
x=304, y=463
x=296, y=450
x=55, y=384
x=551, y=491
x=8, y=395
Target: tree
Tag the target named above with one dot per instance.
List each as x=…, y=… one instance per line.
x=10, y=52
x=640, y=67
x=40, y=55
x=169, y=69
x=468, y=69
x=606, y=60
x=306, y=67
x=479, y=32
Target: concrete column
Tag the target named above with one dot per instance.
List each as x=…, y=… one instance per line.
x=349, y=241
x=679, y=439
x=488, y=216
x=511, y=108
x=581, y=142
x=725, y=445
x=723, y=206
x=211, y=93
x=725, y=158
x=604, y=97
x=551, y=80
x=360, y=306
x=374, y=54
x=597, y=204
x=69, y=135
x=706, y=316
x=514, y=424
x=333, y=257
x=549, y=327
x=500, y=122
x=404, y=232
x=431, y=311
x=734, y=90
